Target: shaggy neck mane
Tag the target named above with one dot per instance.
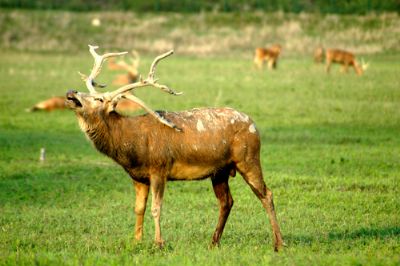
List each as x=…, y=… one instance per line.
x=98, y=129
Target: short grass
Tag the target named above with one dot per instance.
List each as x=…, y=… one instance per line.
x=330, y=154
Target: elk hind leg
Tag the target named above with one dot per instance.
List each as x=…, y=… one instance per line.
x=357, y=68
x=275, y=63
x=142, y=192
x=223, y=194
x=252, y=174
x=157, y=185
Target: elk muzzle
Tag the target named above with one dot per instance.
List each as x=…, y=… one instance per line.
x=71, y=100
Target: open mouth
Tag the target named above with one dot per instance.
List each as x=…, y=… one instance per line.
x=75, y=101
x=72, y=98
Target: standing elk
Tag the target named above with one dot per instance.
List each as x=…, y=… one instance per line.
x=163, y=146
x=270, y=54
x=344, y=58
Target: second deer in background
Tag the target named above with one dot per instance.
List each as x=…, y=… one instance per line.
x=344, y=58
x=270, y=55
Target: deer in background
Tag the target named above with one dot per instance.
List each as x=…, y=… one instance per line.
x=51, y=104
x=158, y=147
x=132, y=72
x=270, y=54
x=344, y=58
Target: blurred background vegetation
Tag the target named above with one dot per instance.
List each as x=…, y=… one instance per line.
x=295, y=6
x=234, y=34
x=222, y=27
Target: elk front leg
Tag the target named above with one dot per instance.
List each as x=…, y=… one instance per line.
x=358, y=69
x=222, y=192
x=328, y=66
x=259, y=63
x=157, y=185
x=142, y=192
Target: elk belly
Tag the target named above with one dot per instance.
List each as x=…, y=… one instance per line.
x=186, y=171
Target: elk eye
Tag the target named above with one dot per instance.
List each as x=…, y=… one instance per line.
x=100, y=99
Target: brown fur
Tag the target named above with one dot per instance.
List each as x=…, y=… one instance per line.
x=126, y=106
x=214, y=143
x=343, y=58
x=51, y=104
x=270, y=54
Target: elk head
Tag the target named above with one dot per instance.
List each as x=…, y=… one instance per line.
x=86, y=105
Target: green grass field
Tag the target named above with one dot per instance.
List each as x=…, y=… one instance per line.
x=330, y=154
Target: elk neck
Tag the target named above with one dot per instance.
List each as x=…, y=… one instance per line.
x=104, y=130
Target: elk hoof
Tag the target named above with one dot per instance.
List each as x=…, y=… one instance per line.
x=279, y=246
x=160, y=244
x=213, y=245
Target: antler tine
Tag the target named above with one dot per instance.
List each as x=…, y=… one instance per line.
x=152, y=71
x=149, y=81
x=98, y=61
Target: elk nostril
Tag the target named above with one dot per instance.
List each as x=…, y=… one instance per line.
x=71, y=91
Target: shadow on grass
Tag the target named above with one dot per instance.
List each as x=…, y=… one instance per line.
x=362, y=233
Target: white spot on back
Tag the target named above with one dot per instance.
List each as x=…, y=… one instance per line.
x=200, y=126
x=252, y=128
x=241, y=117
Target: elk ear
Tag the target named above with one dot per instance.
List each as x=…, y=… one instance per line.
x=364, y=65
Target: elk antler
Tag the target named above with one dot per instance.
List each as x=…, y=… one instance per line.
x=98, y=61
x=149, y=81
x=132, y=68
x=116, y=95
